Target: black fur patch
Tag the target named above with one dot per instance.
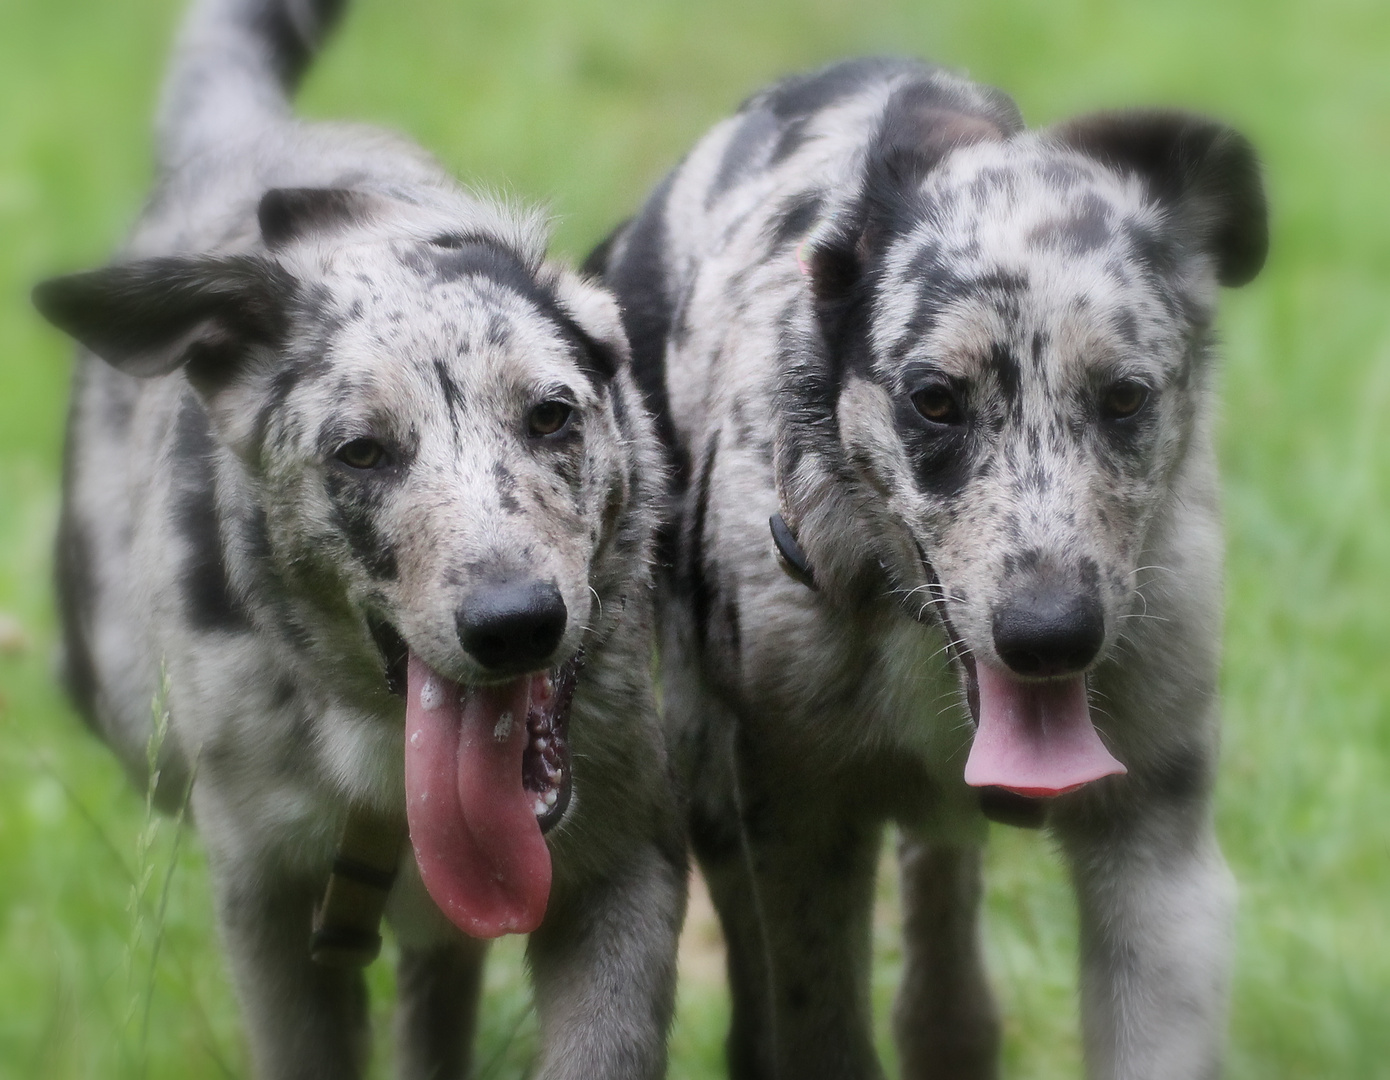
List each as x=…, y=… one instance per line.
x=208, y=597
x=639, y=278
x=1086, y=229
x=745, y=152
x=499, y=331
x=921, y=124
x=452, y=258
x=940, y=453
x=1006, y=373
x=794, y=220
x=287, y=214
x=452, y=393
x=802, y=96
x=76, y=595
x=356, y=502
x=695, y=571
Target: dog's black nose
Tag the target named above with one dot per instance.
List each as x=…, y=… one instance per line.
x=1049, y=630
x=512, y=626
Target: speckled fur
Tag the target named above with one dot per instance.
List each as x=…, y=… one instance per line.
x=209, y=529
x=844, y=240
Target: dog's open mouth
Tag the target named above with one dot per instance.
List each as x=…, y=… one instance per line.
x=487, y=774
x=1033, y=737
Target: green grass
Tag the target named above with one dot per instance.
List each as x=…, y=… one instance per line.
x=583, y=105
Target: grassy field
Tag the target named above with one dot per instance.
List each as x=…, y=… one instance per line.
x=107, y=961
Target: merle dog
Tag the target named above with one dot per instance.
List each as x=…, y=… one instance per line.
x=371, y=481
x=963, y=370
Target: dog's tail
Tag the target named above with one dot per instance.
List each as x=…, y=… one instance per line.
x=235, y=66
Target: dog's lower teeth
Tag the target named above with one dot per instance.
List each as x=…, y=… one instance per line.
x=539, y=807
x=550, y=797
x=542, y=744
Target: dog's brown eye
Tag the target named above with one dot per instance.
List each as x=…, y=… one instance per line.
x=1124, y=399
x=548, y=418
x=362, y=454
x=937, y=404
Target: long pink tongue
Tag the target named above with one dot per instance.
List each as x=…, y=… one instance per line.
x=476, y=840
x=1035, y=738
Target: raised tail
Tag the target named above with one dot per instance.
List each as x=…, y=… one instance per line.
x=236, y=63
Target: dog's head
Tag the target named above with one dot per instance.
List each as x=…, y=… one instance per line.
x=1008, y=367
x=443, y=458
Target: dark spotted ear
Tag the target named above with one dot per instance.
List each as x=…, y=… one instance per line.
x=921, y=126
x=925, y=122
x=288, y=214
x=148, y=318
x=1207, y=172
x=597, y=322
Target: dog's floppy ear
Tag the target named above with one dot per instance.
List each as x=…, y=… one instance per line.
x=921, y=126
x=288, y=214
x=1206, y=172
x=150, y=317
x=596, y=316
x=925, y=122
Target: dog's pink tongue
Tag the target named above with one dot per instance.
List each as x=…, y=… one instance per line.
x=1035, y=738
x=474, y=830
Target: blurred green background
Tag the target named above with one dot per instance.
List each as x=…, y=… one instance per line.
x=108, y=964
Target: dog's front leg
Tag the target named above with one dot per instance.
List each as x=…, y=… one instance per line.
x=1156, y=901
x=797, y=911
x=945, y=1021
x=604, y=969
x=303, y=1020
x=437, y=990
